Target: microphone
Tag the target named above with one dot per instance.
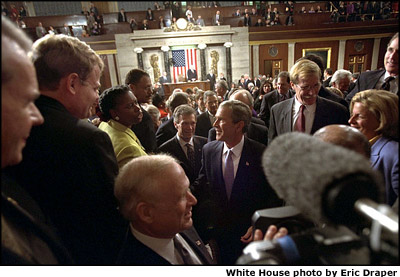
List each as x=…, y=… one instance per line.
x=327, y=183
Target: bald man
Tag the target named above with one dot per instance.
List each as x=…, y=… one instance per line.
x=345, y=136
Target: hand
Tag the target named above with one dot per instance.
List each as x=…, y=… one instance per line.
x=272, y=233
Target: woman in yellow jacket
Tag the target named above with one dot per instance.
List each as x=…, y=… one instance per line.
x=120, y=108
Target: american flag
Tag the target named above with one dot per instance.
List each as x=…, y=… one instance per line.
x=183, y=59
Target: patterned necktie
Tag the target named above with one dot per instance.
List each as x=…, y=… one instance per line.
x=301, y=121
x=190, y=155
x=183, y=252
x=386, y=84
x=229, y=175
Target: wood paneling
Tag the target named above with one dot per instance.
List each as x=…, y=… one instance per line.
x=265, y=56
x=382, y=51
x=334, y=45
x=366, y=51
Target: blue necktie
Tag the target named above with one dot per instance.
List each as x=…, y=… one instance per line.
x=229, y=175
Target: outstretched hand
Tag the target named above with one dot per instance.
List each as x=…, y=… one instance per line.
x=272, y=233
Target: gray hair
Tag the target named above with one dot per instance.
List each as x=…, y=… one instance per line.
x=240, y=112
x=223, y=84
x=153, y=111
x=245, y=93
x=339, y=75
x=138, y=181
x=183, y=110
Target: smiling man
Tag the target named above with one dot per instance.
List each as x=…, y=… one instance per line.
x=231, y=185
x=386, y=79
x=185, y=146
x=154, y=195
x=69, y=164
x=306, y=111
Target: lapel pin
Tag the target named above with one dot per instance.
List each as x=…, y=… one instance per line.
x=198, y=242
x=247, y=164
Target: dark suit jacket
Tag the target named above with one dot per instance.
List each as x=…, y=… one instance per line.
x=136, y=253
x=69, y=168
x=214, y=20
x=229, y=219
x=247, y=21
x=268, y=101
x=191, y=75
x=326, y=82
x=27, y=223
x=212, y=81
x=256, y=132
x=327, y=112
x=120, y=19
x=174, y=148
x=366, y=80
x=323, y=92
x=146, y=133
x=166, y=131
x=203, y=125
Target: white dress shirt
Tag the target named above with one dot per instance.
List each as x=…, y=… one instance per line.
x=183, y=144
x=394, y=84
x=165, y=247
x=309, y=113
x=237, y=153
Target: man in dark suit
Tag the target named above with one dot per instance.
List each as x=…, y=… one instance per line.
x=69, y=164
x=282, y=93
x=327, y=77
x=191, y=74
x=27, y=238
x=231, y=185
x=167, y=129
x=221, y=88
x=140, y=83
x=211, y=78
x=122, y=16
x=323, y=92
x=387, y=79
x=306, y=111
x=185, y=146
x=217, y=19
x=163, y=80
x=206, y=120
x=153, y=194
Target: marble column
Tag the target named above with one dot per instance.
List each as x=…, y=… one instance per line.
x=139, y=57
x=202, y=47
x=228, y=46
x=165, y=50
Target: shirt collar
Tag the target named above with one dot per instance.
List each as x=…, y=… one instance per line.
x=310, y=108
x=183, y=143
x=163, y=247
x=237, y=149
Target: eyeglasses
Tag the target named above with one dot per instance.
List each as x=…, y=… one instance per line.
x=308, y=88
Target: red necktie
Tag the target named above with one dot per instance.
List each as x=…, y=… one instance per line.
x=301, y=120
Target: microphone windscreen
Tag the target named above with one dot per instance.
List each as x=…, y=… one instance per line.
x=300, y=167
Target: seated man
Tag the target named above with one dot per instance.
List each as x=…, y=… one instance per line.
x=153, y=194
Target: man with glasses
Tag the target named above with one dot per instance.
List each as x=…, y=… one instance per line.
x=306, y=112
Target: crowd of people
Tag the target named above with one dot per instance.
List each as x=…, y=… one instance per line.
x=94, y=178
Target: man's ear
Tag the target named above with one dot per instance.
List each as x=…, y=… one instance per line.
x=132, y=87
x=72, y=82
x=145, y=212
x=292, y=85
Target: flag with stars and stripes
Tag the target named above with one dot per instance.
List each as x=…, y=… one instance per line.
x=183, y=59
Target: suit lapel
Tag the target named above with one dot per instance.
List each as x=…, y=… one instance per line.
x=287, y=116
x=373, y=81
x=180, y=152
x=193, y=239
x=321, y=116
x=241, y=173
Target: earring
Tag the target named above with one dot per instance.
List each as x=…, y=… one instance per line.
x=117, y=118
